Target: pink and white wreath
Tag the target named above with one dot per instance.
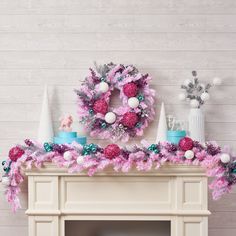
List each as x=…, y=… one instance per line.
x=120, y=123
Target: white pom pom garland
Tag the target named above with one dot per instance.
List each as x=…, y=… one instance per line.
x=80, y=160
x=67, y=155
x=225, y=158
x=110, y=117
x=133, y=102
x=5, y=181
x=189, y=154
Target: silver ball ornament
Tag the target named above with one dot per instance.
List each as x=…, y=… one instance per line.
x=67, y=155
x=133, y=102
x=205, y=96
x=182, y=96
x=189, y=154
x=225, y=158
x=217, y=81
x=103, y=87
x=194, y=103
x=187, y=82
x=110, y=117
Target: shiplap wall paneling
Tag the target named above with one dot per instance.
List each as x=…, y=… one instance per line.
x=55, y=41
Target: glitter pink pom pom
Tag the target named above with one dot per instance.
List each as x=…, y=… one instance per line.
x=130, y=119
x=130, y=89
x=111, y=151
x=100, y=106
x=15, y=153
x=186, y=144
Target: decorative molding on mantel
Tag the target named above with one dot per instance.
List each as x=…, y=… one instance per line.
x=175, y=193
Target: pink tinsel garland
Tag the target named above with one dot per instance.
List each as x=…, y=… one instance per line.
x=141, y=158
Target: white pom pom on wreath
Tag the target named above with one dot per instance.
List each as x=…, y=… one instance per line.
x=67, y=155
x=103, y=87
x=205, y=96
x=225, y=158
x=133, y=102
x=189, y=154
x=194, y=103
x=110, y=117
x=217, y=81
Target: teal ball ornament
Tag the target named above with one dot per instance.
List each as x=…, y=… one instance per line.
x=47, y=147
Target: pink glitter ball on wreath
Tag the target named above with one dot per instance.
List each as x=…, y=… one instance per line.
x=111, y=151
x=186, y=144
x=130, y=89
x=15, y=153
x=100, y=106
x=130, y=119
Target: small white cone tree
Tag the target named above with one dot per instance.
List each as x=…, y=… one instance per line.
x=45, y=130
x=162, y=126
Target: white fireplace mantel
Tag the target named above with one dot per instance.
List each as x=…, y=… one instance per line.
x=175, y=193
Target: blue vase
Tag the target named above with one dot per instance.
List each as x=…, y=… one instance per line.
x=174, y=136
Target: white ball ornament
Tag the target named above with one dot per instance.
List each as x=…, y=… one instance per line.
x=225, y=158
x=103, y=87
x=5, y=181
x=182, y=96
x=205, y=96
x=80, y=160
x=217, y=81
x=133, y=102
x=110, y=117
x=67, y=156
x=194, y=103
x=189, y=154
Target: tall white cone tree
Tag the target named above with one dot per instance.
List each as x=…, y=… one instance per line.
x=45, y=130
x=162, y=126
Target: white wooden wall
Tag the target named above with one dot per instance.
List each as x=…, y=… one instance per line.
x=55, y=41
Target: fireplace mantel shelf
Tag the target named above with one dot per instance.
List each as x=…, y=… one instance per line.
x=177, y=193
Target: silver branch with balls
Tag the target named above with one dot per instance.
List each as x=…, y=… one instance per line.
x=195, y=92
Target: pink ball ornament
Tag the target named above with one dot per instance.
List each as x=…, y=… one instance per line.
x=111, y=151
x=130, y=119
x=186, y=144
x=15, y=153
x=130, y=89
x=100, y=106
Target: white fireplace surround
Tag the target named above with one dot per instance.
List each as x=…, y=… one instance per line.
x=175, y=193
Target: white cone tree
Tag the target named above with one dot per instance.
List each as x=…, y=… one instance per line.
x=162, y=126
x=45, y=130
